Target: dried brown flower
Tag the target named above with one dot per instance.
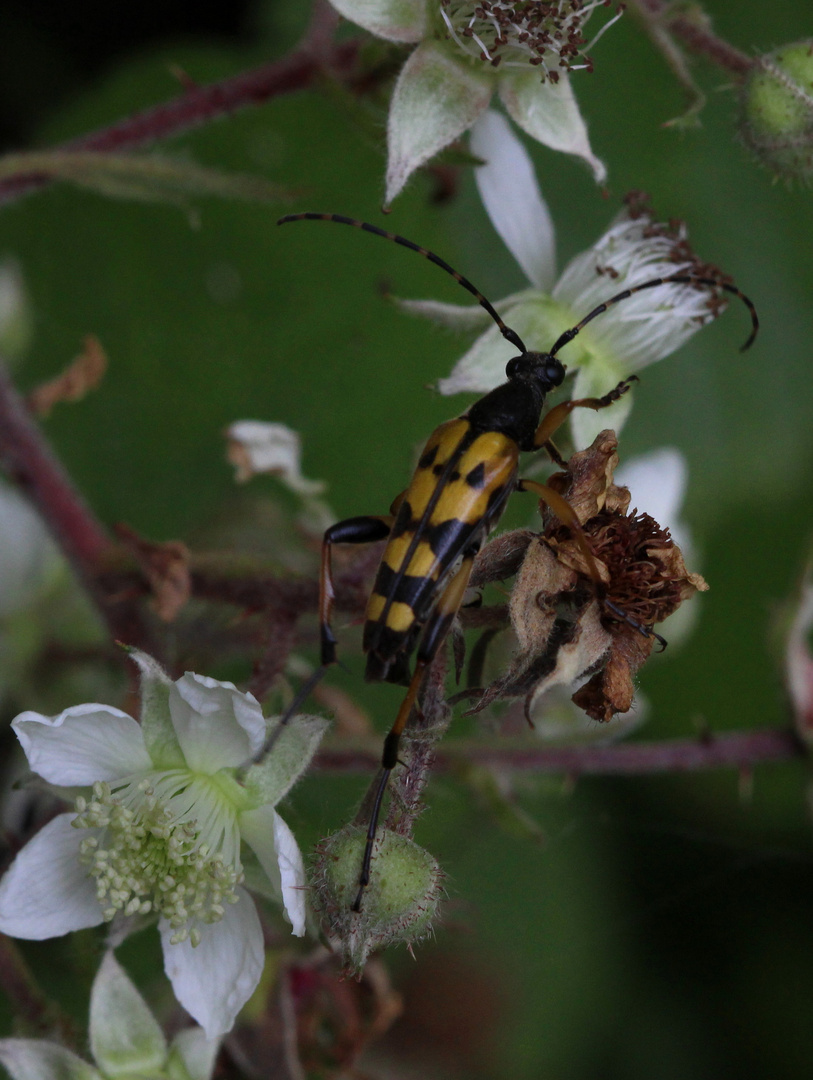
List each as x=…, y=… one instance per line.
x=583, y=607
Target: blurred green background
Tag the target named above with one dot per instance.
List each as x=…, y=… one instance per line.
x=665, y=926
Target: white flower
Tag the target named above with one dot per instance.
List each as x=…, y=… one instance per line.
x=799, y=660
x=657, y=484
x=467, y=49
x=125, y=1041
x=159, y=831
x=630, y=335
x=260, y=446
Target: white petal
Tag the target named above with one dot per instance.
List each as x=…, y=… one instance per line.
x=83, y=744
x=258, y=446
x=217, y=725
x=214, y=980
x=657, y=483
x=46, y=892
x=550, y=114
x=197, y=1054
x=538, y=321
x=125, y=1038
x=395, y=20
x=435, y=100
x=653, y=322
x=35, y=1059
x=278, y=852
x=511, y=196
x=799, y=662
x=593, y=380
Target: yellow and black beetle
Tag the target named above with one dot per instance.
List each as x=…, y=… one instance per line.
x=464, y=477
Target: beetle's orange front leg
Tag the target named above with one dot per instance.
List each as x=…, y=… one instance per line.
x=553, y=420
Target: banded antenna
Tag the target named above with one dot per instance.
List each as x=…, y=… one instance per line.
x=506, y=331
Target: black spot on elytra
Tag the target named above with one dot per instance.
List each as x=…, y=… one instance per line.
x=476, y=478
x=452, y=477
x=428, y=457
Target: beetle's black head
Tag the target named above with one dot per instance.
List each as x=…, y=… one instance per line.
x=541, y=368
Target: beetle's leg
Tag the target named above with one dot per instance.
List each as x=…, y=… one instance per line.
x=559, y=413
x=433, y=637
x=357, y=530
x=553, y=453
x=567, y=515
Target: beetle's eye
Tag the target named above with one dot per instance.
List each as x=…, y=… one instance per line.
x=555, y=372
x=512, y=367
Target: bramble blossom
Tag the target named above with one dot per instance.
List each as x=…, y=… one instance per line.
x=125, y=1041
x=465, y=51
x=629, y=336
x=160, y=828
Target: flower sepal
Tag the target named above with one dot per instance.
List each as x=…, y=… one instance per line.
x=271, y=778
x=398, y=905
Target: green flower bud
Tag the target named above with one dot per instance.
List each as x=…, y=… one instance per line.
x=777, y=110
x=397, y=906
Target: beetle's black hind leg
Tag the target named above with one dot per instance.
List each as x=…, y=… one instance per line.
x=356, y=530
x=433, y=637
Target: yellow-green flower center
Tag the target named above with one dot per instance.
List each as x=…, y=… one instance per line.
x=166, y=843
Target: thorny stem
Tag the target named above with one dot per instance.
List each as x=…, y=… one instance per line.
x=28, y=460
x=741, y=750
x=695, y=35
x=201, y=104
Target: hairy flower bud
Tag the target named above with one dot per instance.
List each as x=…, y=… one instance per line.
x=398, y=905
x=777, y=110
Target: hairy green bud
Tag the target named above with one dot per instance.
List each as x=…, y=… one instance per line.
x=398, y=905
x=777, y=110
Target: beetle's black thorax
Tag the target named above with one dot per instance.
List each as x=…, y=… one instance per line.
x=513, y=408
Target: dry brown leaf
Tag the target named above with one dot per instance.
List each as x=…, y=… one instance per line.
x=83, y=374
x=166, y=568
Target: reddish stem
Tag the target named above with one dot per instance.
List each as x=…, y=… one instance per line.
x=29, y=461
x=732, y=750
x=697, y=37
x=203, y=103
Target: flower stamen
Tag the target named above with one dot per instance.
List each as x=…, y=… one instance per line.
x=164, y=844
x=542, y=34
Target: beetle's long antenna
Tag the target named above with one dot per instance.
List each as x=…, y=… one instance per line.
x=506, y=331
x=687, y=279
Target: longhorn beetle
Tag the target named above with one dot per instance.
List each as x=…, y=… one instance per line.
x=435, y=528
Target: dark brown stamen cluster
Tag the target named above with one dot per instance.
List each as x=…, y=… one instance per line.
x=632, y=548
x=542, y=34
x=639, y=207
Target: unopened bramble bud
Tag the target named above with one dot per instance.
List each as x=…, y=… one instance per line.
x=777, y=110
x=399, y=903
